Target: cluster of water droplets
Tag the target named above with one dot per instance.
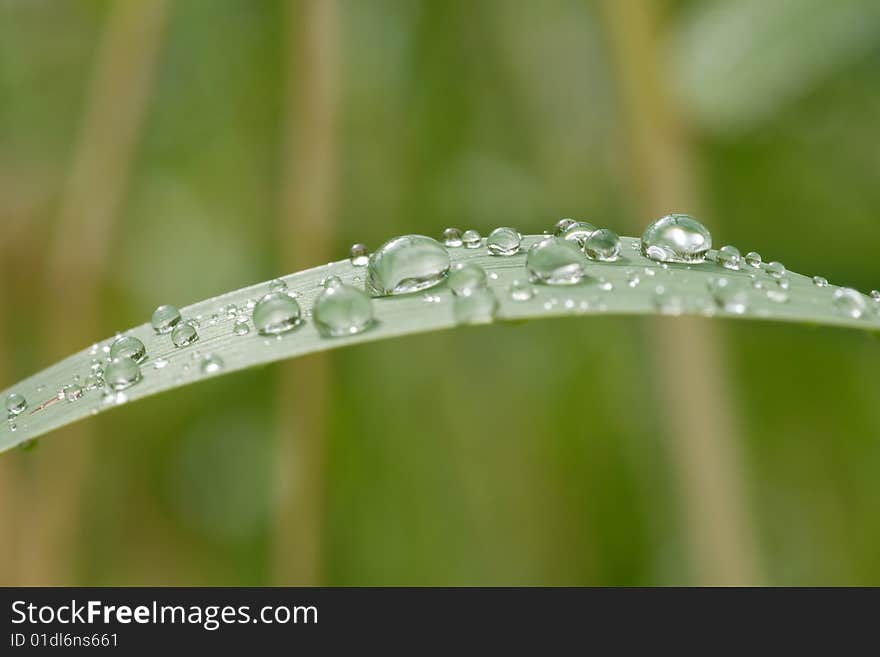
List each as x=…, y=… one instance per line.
x=572, y=253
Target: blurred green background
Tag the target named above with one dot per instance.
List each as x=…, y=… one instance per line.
x=163, y=151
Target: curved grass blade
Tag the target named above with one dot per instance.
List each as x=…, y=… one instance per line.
x=632, y=285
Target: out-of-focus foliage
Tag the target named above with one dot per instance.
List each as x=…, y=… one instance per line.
x=509, y=455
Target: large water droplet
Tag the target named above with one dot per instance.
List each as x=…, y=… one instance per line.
x=122, y=373
x=407, y=264
x=359, y=255
x=729, y=257
x=471, y=239
x=15, y=404
x=466, y=278
x=555, y=261
x=478, y=307
x=730, y=296
x=342, y=310
x=212, y=364
x=504, y=241
x=276, y=313
x=451, y=237
x=849, y=302
x=578, y=232
x=184, y=334
x=603, y=245
x=129, y=346
x=676, y=238
x=164, y=319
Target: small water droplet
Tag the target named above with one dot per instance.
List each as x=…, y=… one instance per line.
x=783, y=283
x=451, y=237
x=277, y=285
x=359, y=255
x=650, y=271
x=231, y=311
x=579, y=232
x=753, y=259
x=129, y=346
x=676, y=238
x=875, y=295
x=605, y=285
x=184, y=334
x=161, y=364
x=778, y=296
x=504, y=241
x=432, y=298
x=15, y=404
x=633, y=280
x=820, y=281
x=603, y=245
x=471, y=239
x=343, y=310
x=241, y=326
x=478, y=307
x=562, y=225
x=775, y=269
x=72, y=392
x=164, y=319
x=211, y=364
x=555, y=261
x=521, y=291
x=276, y=313
x=850, y=302
x=729, y=257
x=730, y=296
x=122, y=373
x=466, y=278
x=407, y=264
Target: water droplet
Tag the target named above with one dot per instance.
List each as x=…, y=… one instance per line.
x=605, y=285
x=466, y=278
x=277, y=286
x=783, y=283
x=521, y=291
x=633, y=280
x=668, y=303
x=471, y=239
x=603, y=245
x=753, y=259
x=676, y=238
x=562, y=225
x=555, y=261
x=231, y=311
x=184, y=334
x=775, y=269
x=331, y=282
x=359, y=255
x=129, y=346
x=15, y=404
x=122, y=373
x=875, y=295
x=451, y=237
x=164, y=319
x=504, y=241
x=730, y=296
x=276, y=313
x=161, y=364
x=211, y=364
x=849, y=302
x=241, y=326
x=579, y=232
x=820, y=281
x=729, y=257
x=72, y=392
x=478, y=307
x=407, y=264
x=343, y=310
